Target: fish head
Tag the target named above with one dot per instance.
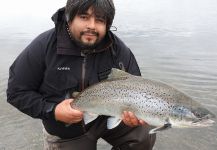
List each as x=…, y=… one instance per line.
x=192, y=117
x=203, y=117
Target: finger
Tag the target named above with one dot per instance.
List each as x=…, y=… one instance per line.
x=131, y=115
x=126, y=116
x=133, y=119
x=127, y=119
x=141, y=122
x=127, y=123
x=73, y=111
x=76, y=120
x=75, y=117
x=76, y=113
x=69, y=101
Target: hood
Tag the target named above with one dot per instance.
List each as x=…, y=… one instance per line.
x=58, y=16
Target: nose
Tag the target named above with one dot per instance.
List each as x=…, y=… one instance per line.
x=91, y=24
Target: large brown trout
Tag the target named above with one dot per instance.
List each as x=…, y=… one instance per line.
x=154, y=102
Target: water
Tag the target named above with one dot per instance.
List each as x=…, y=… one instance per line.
x=174, y=42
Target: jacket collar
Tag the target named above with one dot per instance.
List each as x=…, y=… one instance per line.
x=66, y=46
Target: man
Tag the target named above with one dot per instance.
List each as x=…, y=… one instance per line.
x=78, y=52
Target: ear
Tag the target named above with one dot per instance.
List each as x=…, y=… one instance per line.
x=69, y=23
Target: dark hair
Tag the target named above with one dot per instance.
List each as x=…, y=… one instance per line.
x=104, y=8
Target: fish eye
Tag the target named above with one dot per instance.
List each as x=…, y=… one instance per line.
x=197, y=114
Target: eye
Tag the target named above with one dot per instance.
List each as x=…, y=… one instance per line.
x=101, y=20
x=197, y=114
x=83, y=17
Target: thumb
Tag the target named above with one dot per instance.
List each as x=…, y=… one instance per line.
x=69, y=101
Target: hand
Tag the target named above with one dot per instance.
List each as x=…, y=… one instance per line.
x=131, y=120
x=65, y=113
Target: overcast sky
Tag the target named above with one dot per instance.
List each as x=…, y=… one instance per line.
x=145, y=14
x=26, y=15
x=29, y=7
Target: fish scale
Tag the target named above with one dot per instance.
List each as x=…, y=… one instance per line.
x=155, y=102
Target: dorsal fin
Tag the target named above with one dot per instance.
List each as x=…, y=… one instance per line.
x=117, y=74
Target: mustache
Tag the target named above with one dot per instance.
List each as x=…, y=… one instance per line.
x=90, y=32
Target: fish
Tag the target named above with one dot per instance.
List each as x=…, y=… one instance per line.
x=158, y=104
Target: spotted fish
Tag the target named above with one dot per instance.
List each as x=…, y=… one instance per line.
x=154, y=102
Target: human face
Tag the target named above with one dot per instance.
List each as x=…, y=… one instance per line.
x=88, y=29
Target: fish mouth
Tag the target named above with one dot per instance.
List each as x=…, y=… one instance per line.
x=203, y=117
x=204, y=121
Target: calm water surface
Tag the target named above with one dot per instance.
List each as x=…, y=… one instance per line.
x=174, y=42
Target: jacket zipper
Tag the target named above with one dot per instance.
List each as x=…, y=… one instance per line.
x=83, y=75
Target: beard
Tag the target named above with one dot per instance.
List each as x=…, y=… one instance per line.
x=86, y=44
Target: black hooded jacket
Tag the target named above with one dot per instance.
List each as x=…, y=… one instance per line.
x=52, y=66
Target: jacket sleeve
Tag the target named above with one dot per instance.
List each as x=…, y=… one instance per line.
x=25, y=78
x=132, y=65
x=125, y=58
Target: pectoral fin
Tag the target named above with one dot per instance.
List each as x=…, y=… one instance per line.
x=162, y=128
x=89, y=117
x=75, y=94
x=113, y=122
